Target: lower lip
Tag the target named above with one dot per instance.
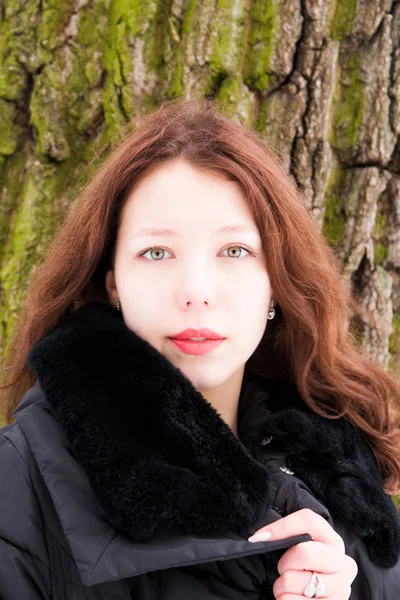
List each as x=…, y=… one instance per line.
x=197, y=348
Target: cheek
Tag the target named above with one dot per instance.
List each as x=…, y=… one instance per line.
x=251, y=297
x=142, y=308
x=138, y=291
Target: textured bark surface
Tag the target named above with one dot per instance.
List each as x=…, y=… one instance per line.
x=320, y=79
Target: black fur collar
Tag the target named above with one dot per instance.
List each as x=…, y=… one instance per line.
x=158, y=456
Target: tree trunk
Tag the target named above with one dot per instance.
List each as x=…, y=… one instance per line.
x=319, y=79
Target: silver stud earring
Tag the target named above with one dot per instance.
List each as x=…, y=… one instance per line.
x=117, y=304
x=271, y=312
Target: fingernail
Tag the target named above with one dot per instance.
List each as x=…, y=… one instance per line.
x=263, y=536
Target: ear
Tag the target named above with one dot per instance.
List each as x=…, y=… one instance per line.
x=111, y=287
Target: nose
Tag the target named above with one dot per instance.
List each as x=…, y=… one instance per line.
x=196, y=288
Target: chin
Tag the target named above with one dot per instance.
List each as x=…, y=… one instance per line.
x=206, y=381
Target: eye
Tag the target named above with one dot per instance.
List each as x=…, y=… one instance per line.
x=159, y=252
x=154, y=249
x=237, y=255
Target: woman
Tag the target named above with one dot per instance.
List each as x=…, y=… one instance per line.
x=184, y=377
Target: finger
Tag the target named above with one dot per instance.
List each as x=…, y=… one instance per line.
x=301, y=522
x=314, y=556
x=295, y=582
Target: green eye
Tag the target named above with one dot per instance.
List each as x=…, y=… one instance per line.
x=237, y=255
x=158, y=250
x=155, y=249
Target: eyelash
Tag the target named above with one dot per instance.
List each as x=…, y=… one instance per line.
x=141, y=254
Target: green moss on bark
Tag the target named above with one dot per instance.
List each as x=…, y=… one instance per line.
x=47, y=118
x=66, y=99
x=50, y=31
x=37, y=212
x=12, y=75
x=262, y=39
x=131, y=59
x=11, y=182
x=237, y=97
x=349, y=105
x=32, y=222
x=345, y=13
x=18, y=46
x=335, y=217
x=228, y=38
x=379, y=235
x=10, y=131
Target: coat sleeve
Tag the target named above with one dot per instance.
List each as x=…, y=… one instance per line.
x=391, y=582
x=21, y=575
x=24, y=571
x=372, y=582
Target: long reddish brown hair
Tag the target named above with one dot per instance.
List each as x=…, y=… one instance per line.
x=308, y=342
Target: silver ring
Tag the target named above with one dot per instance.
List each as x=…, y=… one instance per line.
x=314, y=591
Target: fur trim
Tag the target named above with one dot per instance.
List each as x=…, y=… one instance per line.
x=156, y=452
x=159, y=456
x=335, y=461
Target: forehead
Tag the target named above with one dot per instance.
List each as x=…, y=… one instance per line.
x=176, y=193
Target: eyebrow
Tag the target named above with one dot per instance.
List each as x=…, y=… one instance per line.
x=155, y=231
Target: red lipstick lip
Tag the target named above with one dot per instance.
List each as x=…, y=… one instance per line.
x=197, y=348
x=197, y=333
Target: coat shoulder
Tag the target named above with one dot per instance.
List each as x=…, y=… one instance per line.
x=20, y=514
x=24, y=565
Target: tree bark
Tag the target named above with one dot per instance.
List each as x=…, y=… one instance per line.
x=320, y=80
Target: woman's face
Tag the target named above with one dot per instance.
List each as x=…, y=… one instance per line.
x=197, y=277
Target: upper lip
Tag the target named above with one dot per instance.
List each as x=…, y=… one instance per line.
x=197, y=333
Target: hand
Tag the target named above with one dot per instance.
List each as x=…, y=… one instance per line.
x=325, y=555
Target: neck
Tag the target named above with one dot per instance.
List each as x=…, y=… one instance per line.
x=225, y=399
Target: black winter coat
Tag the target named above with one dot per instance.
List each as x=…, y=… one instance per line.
x=119, y=480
